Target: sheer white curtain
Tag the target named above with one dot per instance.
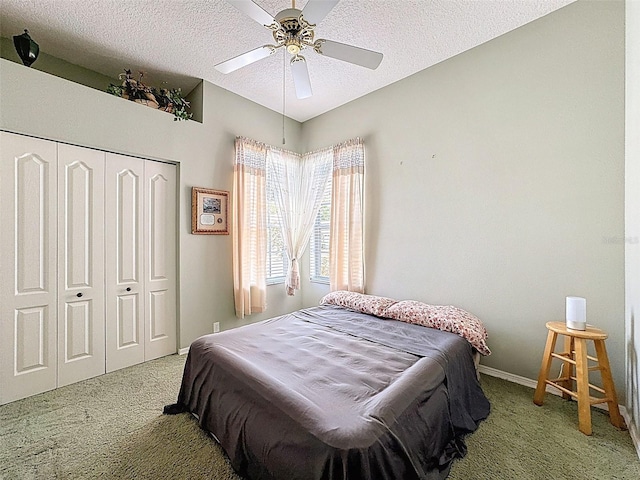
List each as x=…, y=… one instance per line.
x=248, y=227
x=346, y=250
x=298, y=183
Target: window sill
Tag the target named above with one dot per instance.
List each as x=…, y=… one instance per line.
x=321, y=281
x=275, y=281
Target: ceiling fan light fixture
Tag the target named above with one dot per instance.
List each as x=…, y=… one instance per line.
x=293, y=48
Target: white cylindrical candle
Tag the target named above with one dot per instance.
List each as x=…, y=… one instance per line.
x=576, y=313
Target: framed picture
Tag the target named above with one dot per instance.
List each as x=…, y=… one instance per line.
x=209, y=211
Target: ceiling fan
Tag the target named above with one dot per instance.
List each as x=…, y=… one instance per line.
x=294, y=30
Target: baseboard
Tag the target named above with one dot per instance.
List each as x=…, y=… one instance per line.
x=183, y=351
x=527, y=382
x=494, y=372
x=633, y=431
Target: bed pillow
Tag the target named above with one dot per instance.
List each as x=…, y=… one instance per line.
x=446, y=318
x=359, y=302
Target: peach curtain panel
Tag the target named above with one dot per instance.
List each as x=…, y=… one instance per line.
x=249, y=227
x=346, y=245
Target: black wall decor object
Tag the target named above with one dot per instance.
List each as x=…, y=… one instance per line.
x=27, y=49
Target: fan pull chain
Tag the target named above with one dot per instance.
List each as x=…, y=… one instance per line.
x=284, y=78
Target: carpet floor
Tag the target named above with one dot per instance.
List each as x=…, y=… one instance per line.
x=111, y=427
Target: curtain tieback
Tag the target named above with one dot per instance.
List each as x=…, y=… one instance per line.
x=293, y=278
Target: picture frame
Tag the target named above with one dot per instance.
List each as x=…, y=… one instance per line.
x=209, y=211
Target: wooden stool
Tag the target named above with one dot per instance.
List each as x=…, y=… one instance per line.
x=575, y=357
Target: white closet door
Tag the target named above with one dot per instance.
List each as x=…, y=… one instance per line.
x=160, y=259
x=124, y=261
x=81, y=336
x=27, y=266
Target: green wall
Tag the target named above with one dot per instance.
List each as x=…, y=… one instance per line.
x=495, y=182
x=43, y=105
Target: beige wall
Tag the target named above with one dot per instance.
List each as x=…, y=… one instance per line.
x=39, y=104
x=632, y=215
x=495, y=181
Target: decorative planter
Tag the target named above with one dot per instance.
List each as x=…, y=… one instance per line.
x=169, y=101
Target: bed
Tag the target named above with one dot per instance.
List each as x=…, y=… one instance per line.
x=332, y=392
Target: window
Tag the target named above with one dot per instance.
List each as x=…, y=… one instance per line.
x=275, y=191
x=276, y=251
x=319, y=244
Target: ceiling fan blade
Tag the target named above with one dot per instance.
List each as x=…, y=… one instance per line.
x=315, y=10
x=348, y=53
x=254, y=11
x=246, y=58
x=301, y=77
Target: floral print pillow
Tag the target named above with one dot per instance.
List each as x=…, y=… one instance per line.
x=359, y=302
x=446, y=318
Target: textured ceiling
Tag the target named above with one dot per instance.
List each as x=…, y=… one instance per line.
x=179, y=41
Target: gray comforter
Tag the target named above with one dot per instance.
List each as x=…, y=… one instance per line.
x=328, y=393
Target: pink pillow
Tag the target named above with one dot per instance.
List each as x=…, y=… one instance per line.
x=359, y=302
x=445, y=318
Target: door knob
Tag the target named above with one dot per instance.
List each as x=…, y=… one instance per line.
x=79, y=294
x=128, y=289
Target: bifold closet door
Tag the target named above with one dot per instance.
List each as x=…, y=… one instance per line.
x=28, y=220
x=160, y=259
x=81, y=324
x=88, y=264
x=124, y=266
x=140, y=214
